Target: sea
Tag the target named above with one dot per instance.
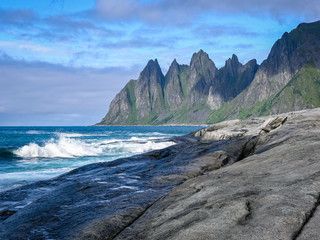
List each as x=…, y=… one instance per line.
x=30, y=154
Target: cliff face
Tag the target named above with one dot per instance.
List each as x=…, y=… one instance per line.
x=202, y=75
x=201, y=93
x=287, y=56
x=122, y=106
x=149, y=90
x=173, y=89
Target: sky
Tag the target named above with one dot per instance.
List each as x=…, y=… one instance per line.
x=63, y=61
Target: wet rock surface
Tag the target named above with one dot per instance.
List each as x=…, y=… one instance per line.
x=261, y=180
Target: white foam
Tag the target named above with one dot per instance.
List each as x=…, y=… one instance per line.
x=141, y=146
x=63, y=147
x=69, y=146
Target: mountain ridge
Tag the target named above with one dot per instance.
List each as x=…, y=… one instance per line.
x=201, y=93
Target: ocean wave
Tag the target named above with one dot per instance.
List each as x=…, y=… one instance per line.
x=6, y=153
x=63, y=147
x=71, y=147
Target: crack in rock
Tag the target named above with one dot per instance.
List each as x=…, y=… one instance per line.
x=307, y=219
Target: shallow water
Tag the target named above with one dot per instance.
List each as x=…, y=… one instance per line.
x=29, y=154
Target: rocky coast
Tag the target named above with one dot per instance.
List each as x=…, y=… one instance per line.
x=249, y=179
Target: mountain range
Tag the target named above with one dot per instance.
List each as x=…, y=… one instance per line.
x=200, y=93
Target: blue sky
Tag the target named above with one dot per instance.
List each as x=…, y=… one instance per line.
x=63, y=61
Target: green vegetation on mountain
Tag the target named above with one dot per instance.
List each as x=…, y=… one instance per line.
x=132, y=118
x=302, y=92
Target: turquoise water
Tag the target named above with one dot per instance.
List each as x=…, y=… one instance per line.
x=29, y=154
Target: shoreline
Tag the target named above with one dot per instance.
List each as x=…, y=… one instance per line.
x=236, y=180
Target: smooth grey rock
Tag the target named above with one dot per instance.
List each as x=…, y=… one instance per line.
x=236, y=128
x=271, y=194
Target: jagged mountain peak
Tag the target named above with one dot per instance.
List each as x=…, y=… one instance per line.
x=153, y=64
x=199, y=56
x=201, y=64
x=174, y=65
x=152, y=68
x=252, y=61
x=234, y=58
x=233, y=62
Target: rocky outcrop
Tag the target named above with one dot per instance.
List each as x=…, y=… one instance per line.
x=149, y=90
x=173, y=90
x=271, y=194
x=261, y=180
x=202, y=75
x=237, y=128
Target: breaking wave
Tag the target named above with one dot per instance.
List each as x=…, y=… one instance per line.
x=67, y=146
x=62, y=147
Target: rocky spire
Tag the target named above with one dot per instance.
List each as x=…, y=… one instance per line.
x=149, y=89
x=173, y=91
